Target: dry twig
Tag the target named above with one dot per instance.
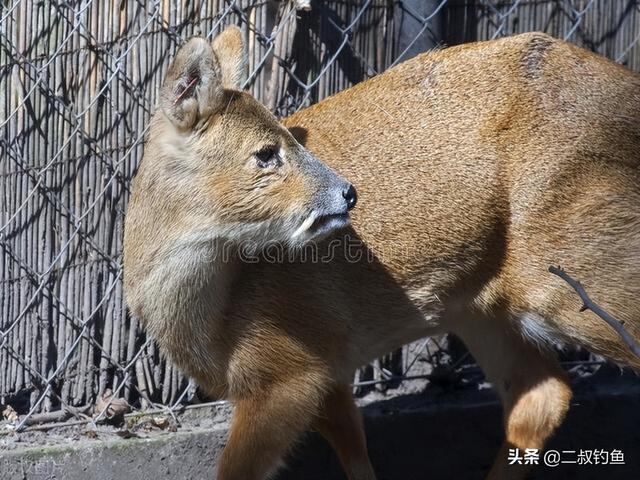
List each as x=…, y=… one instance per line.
x=588, y=304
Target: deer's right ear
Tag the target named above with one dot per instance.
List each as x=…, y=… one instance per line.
x=192, y=89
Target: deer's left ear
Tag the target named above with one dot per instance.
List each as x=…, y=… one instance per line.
x=230, y=52
x=192, y=90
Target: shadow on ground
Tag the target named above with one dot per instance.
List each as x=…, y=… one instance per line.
x=409, y=440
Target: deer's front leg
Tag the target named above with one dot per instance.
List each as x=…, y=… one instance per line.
x=265, y=426
x=340, y=422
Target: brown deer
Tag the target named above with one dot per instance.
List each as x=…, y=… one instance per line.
x=476, y=168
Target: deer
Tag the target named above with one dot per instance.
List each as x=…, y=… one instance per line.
x=434, y=196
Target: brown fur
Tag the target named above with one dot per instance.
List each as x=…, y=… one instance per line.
x=477, y=167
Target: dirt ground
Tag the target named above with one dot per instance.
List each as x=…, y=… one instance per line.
x=440, y=433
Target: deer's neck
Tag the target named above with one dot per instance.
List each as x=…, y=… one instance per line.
x=187, y=294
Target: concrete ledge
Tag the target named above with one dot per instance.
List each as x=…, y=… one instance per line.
x=410, y=437
x=171, y=456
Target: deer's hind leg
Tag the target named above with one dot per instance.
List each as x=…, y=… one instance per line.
x=534, y=389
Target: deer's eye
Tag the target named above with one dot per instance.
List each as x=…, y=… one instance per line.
x=268, y=157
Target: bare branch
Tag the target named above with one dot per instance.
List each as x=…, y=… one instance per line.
x=588, y=304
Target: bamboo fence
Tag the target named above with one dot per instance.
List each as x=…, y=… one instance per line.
x=78, y=84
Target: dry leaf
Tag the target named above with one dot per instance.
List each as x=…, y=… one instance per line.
x=126, y=434
x=10, y=414
x=160, y=422
x=112, y=407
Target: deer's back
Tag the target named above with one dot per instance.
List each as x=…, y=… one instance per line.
x=479, y=166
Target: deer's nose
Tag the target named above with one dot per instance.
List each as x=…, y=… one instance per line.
x=350, y=196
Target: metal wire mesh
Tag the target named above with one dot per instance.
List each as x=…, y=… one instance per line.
x=78, y=84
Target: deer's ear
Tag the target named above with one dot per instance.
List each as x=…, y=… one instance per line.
x=193, y=88
x=230, y=51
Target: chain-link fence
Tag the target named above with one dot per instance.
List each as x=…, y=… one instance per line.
x=78, y=84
